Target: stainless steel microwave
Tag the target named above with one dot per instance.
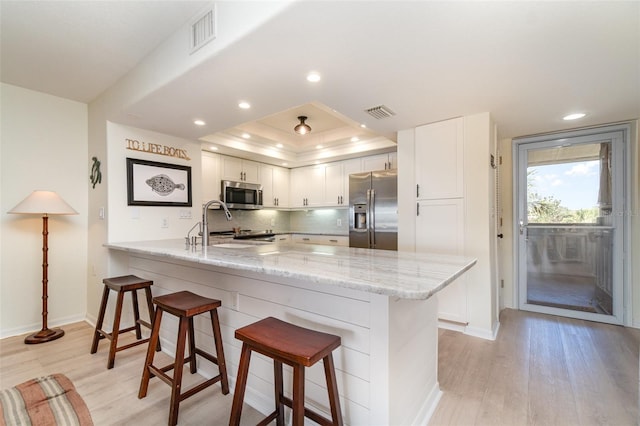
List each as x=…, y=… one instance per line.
x=242, y=195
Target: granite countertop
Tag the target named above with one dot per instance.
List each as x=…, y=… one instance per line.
x=401, y=274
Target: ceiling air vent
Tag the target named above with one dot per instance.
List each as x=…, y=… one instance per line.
x=379, y=112
x=203, y=29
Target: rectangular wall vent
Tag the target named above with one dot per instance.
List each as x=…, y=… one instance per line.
x=380, y=111
x=203, y=29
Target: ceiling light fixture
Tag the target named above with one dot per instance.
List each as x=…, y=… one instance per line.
x=244, y=105
x=213, y=148
x=199, y=122
x=355, y=139
x=279, y=145
x=319, y=146
x=302, y=128
x=313, y=77
x=574, y=116
x=246, y=135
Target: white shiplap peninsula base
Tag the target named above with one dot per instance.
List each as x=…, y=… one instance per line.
x=379, y=302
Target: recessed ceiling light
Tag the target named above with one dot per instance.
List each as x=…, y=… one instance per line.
x=574, y=116
x=363, y=125
x=213, y=148
x=313, y=77
x=319, y=146
x=355, y=139
x=246, y=135
x=199, y=122
x=284, y=164
x=244, y=105
x=279, y=145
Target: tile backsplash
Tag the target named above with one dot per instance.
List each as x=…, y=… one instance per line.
x=318, y=221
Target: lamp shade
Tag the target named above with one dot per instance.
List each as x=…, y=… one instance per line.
x=43, y=203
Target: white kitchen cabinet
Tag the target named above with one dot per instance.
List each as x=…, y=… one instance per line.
x=380, y=162
x=237, y=169
x=439, y=151
x=450, y=211
x=307, y=186
x=327, y=240
x=440, y=229
x=337, y=181
x=211, y=185
x=275, y=185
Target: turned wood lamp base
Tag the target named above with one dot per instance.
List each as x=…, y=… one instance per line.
x=43, y=336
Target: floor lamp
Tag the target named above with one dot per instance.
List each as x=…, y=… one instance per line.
x=44, y=203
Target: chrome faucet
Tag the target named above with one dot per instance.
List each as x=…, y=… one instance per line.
x=205, y=221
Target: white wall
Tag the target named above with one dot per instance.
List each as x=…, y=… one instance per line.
x=43, y=146
x=133, y=223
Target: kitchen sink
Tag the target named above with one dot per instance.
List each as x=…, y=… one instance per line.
x=233, y=245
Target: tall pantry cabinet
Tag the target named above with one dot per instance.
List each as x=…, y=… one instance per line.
x=446, y=206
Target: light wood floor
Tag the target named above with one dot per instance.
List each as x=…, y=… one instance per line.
x=541, y=370
x=112, y=395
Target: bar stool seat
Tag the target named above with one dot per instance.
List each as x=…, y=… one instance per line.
x=185, y=305
x=122, y=285
x=295, y=346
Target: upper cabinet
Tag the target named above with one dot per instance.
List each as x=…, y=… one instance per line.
x=439, y=156
x=380, y=162
x=210, y=176
x=275, y=185
x=307, y=186
x=236, y=169
x=336, y=191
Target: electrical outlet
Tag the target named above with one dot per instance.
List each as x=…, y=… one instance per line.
x=165, y=223
x=235, y=301
x=339, y=222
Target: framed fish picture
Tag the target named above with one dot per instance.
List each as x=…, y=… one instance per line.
x=150, y=183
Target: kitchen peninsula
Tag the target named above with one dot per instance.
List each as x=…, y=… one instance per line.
x=380, y=303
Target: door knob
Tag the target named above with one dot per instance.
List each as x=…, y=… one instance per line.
x=500, y=236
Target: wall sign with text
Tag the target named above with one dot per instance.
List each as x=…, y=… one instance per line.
x=156, y=148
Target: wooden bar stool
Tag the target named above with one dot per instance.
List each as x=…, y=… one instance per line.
x=121, y=285
x=185, y=305
x=295, y=346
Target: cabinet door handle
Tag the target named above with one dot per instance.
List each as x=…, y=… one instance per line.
x=417, y=209
x=305, y=239
x=417, y=190
x=333, y=241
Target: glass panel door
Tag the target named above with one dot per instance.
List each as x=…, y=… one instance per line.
x=570, y=201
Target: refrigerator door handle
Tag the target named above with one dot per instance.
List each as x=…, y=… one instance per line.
x=372, y=218
x=368, y=218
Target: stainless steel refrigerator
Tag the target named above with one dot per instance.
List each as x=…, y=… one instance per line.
x=373, y=210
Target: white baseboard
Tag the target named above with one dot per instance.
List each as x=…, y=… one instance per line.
x=30, y=328
x=428, y=407
x=483, y=333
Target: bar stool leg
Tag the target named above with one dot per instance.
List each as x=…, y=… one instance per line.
x=241, y=383
x=177, y=371
x=153, y=340
x=116, y=330
x=279, y=392
x=191, y=359
x=297, y=417
x=147, y=291
x=332, y=387
x=103, y=309
x=222, y=365
x=136, y=314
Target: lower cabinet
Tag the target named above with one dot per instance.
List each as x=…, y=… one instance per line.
x=327, y=240
x=440, y=229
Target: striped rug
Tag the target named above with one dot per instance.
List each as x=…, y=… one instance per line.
x=49, y=400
